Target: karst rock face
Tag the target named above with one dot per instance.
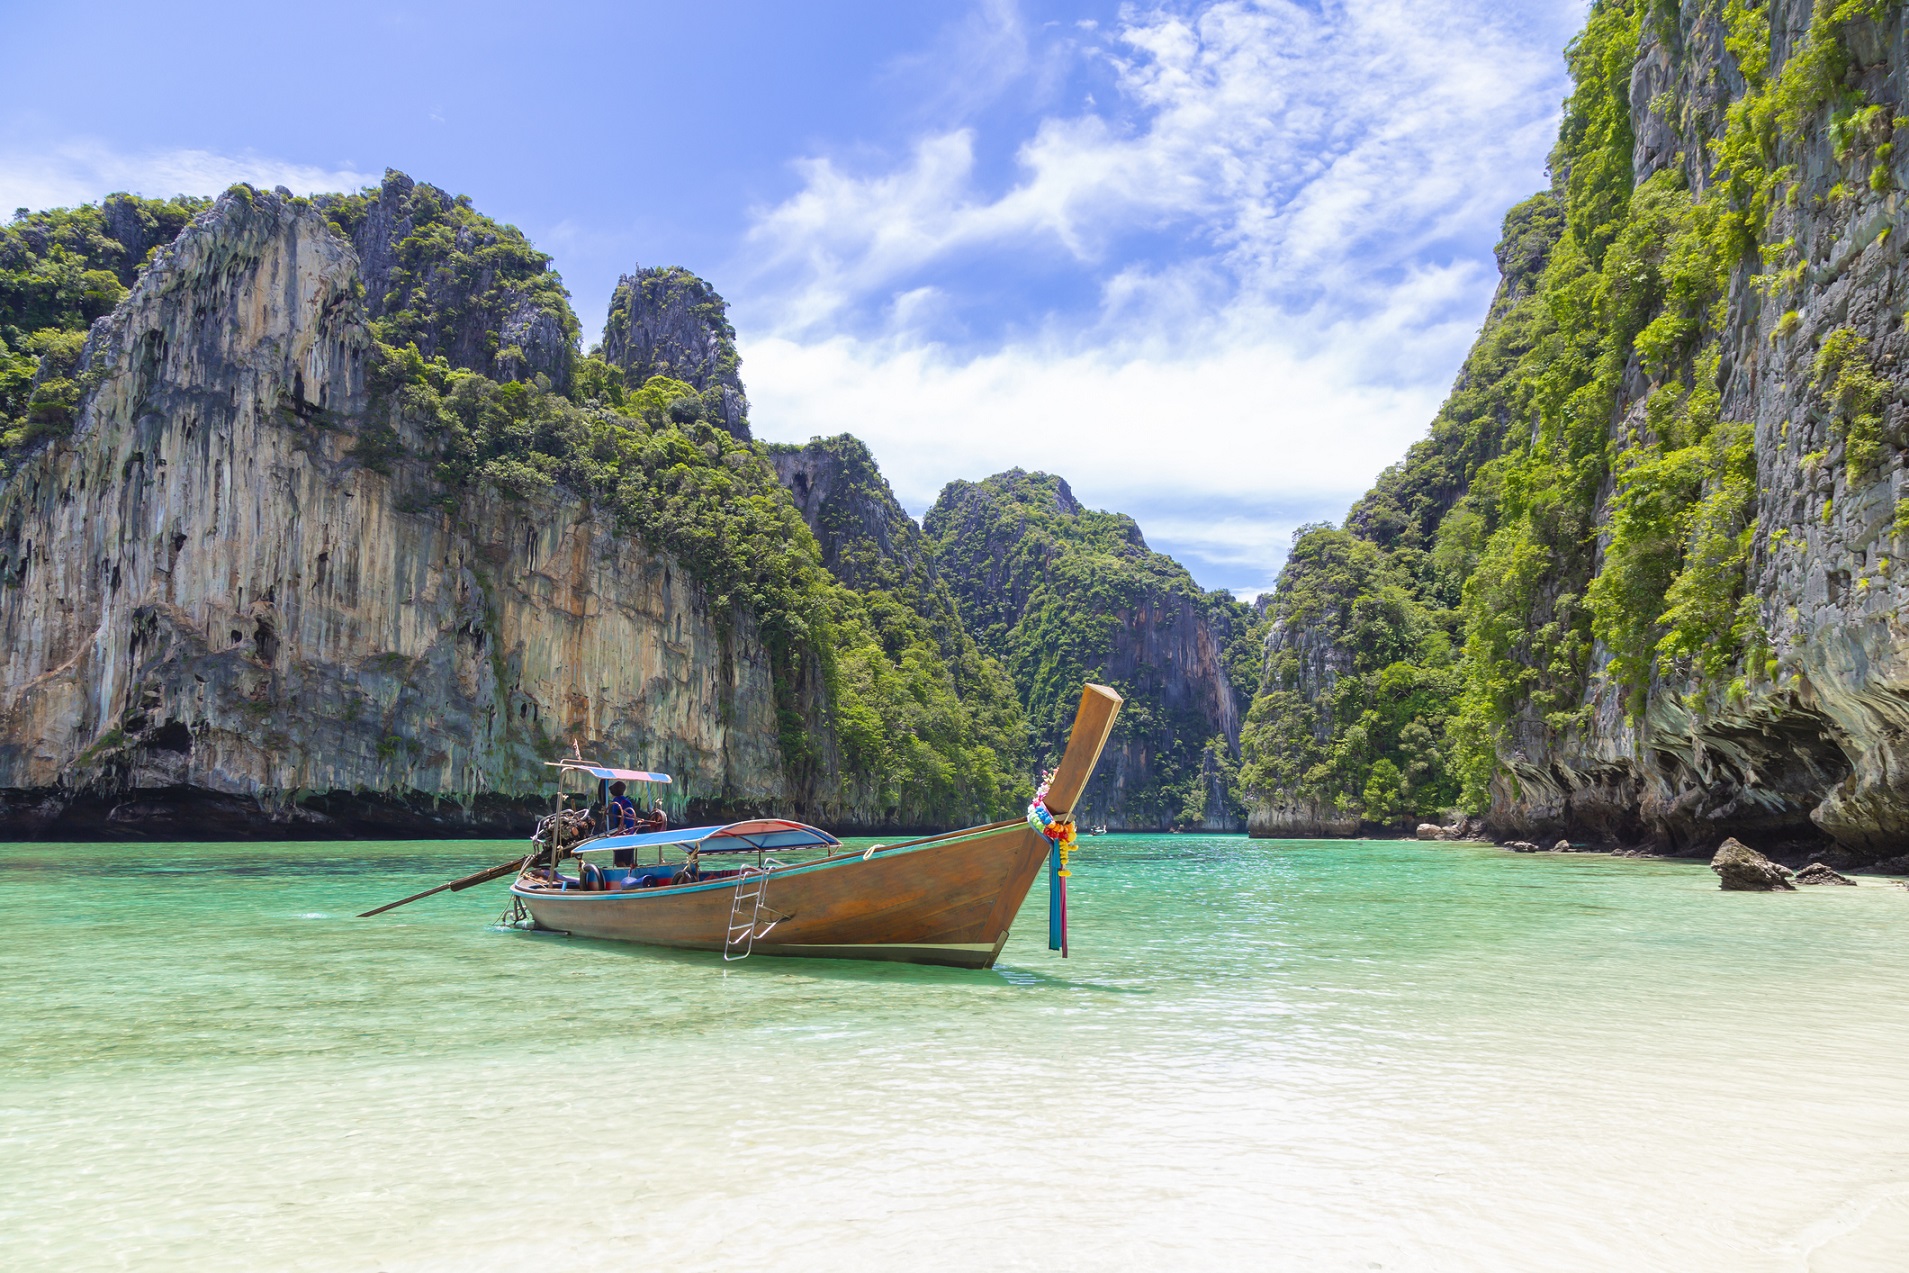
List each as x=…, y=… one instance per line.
x=867, y=538
x=1803, y=744
x=1819, y=751
x=1064, y=594
x=216, y=618
x=1316, y=654
x=665, y=321
x=497, y=324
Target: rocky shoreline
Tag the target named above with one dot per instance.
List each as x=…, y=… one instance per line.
x=1732, y=859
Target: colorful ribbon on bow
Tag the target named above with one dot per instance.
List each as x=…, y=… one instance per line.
x=1060, y=834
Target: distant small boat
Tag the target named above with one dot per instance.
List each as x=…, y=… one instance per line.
x=943, y=899
x=1097, y=831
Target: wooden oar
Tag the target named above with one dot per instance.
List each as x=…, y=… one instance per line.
x=455, y=886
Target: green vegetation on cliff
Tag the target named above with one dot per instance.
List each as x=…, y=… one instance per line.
x=443, y=277
x=888, y=712
x=1063, y=594
x=1372, y=727
x=1581, y=509
x=665, y=321
x=1461, y=613
x=60, y=270
x=916, y=672
x=919, y=731
x=913, y=750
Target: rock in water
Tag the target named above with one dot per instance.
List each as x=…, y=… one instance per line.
x=1745, y=870
x=1563, y=846
x=1817, y=873
x=1430, y=831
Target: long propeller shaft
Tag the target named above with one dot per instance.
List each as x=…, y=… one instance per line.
x=455, y=886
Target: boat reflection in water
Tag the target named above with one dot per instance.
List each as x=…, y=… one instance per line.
x=944, y=899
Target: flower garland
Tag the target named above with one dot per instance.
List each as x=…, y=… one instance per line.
x=1058, y=829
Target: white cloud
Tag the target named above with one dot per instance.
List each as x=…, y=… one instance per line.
x=976, y=58
x=83, y=172
x=1282, y=218
x=1246, y=424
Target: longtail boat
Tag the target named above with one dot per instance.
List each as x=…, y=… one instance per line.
x=943, y=899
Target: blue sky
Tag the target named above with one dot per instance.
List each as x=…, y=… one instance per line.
x=1215, y=263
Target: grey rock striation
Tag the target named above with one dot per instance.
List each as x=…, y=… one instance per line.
x=1819, y=752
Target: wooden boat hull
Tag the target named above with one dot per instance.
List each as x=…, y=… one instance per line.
x=948, y=900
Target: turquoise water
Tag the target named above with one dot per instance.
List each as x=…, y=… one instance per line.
x=1262, y=1055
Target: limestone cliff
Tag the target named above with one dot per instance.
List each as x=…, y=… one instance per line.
x=1063, y=594
x=1348, y=734
x=868, y=539
x=665, y=321
x=905, y=609
x=1811, y=751
x=1645, y=568
x=217, y=616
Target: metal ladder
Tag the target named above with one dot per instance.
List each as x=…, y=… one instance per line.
x=742, y=931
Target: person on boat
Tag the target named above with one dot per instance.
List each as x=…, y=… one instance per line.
x=623, y=815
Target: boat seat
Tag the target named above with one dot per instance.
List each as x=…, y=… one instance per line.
x=642, y=877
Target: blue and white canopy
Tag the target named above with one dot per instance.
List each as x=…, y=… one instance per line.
x=759, y=835
x=611, y=775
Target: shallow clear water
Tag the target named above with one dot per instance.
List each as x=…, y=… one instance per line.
x=1262, y=1055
